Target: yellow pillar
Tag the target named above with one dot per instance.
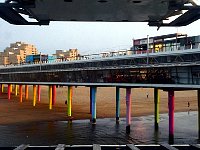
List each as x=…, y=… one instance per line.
x=16, y=87
x=50, y=97
x=26, y=92
x=34, y=95
x=69, y=103
x=2, y=88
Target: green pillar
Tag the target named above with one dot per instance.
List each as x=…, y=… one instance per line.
x=156, y=106
x=69, y=103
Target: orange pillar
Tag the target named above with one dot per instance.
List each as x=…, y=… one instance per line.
x=20, y=93
x=50, y=97
x=11, y=88
x=53, y=94
x=34, y=95
x=26, y=92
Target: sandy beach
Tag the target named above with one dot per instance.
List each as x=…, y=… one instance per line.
x=14, y=112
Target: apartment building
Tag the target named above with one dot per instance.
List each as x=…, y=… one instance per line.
x=69, y=55
x=16, y=53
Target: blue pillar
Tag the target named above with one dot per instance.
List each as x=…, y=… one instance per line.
x=93, y=92
x=117, y=104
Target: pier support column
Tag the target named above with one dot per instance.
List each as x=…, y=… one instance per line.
x=9, y=93
x=34, y=95
x=69, y=101
x=39, y=92
x=2, y=88
x=156, y=107
x=26, y=92
x=128, y=109
x=171, y=115
x=198, y=98
x=16, y=90
x=90, y=100
x=53, y=94
x=20, y=93
x=117, y=104
x=11, y=87
x=50, y=97
x=93, y=96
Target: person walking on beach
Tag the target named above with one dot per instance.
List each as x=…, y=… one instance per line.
x=188, y=104
x=147, y=94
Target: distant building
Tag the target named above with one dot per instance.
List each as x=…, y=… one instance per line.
x=71, y=54
x=16, y=53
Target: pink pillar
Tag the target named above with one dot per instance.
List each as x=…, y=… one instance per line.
x=20, y=93
x=9, y=92
x=53, y=94
x=38, y=92
x=171, y=114
x=128, y=109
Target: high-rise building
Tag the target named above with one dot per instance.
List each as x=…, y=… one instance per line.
x=16, y=53
x=69, y=55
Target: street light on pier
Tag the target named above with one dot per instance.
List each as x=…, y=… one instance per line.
x=40, y=61
x=147, y=49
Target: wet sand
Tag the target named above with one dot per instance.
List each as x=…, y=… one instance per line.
x=14, y=112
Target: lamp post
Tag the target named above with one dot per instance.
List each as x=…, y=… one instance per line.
x=147, y=49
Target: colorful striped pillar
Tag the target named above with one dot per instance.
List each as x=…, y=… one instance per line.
x=9, y=93
x=53, y=94
x=94, y=91
x=34, y=95
x=128, y=109
x=117, y=104
x=26, y=92
x=50, y=97
x=171, y=115
x=16, y=90
x=156, y=107
x=39, y=92
x=20, y=93
x=2, y=88
x=69, y=101
x=90, y=100
x=198, y=98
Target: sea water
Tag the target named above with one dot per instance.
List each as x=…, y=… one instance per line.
x=106, y=131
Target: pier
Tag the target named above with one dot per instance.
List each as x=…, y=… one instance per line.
x=119, y=72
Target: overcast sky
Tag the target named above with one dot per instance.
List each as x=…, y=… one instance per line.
x=87, y=37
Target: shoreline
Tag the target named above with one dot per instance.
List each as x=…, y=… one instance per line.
x=14, y=112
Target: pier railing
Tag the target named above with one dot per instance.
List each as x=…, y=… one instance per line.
x=119, y=54
x=112, y=147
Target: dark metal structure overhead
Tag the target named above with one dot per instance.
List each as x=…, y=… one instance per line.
x=155, y=12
